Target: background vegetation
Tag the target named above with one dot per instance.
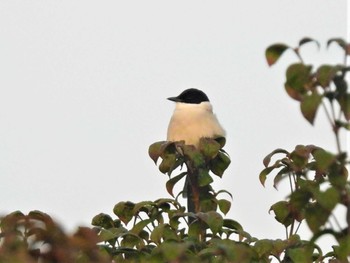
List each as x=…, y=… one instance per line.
x=165, y=231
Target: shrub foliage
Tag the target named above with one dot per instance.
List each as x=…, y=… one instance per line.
x=165, y=230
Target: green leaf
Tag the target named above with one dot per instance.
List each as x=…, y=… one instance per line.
x=213, y=219
x=345, y=125
x=157, y=234
x=280, y=175
x=221, y=141
x=263, y=174
x=209, y=147
x=106, y=235
x=232, y=224
x=224, y=205
x=323, y=160
x=263, y=247
x=300, y=157
x=328, y=199
x=140, y=226
x=341, y=42
x=300, y=255
x=274, y=52
x=155, y=150
x=342, y=251
x=341, y=85
x=171, y=183
x=298, y=78
x=112, y=233
x=209, y=252
x=195, y=229
x=282, y=213
x=194, y=155
x=309, y=106
x=204, y=177
x=174, y=218
x=173, y=251
x=169, y=234
x=224, y=191
x=207, y=200
x=144, y=235
x=338, y=175
x=219, y=164
x=167, y=163
x=299, y=200
x=279, y=247
x=131, y=240
x=166, y=201
x=325, y=74
x=344, y=102
x=306, y=40
x=145, y=206
x=124, y=210
x=316, y=216
x=268, y=157
x=102, y=220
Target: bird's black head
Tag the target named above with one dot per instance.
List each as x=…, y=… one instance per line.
x=193, y=96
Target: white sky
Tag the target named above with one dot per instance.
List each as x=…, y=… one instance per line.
x=83, y=88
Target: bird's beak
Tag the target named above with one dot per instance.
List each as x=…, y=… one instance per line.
x=176, y=99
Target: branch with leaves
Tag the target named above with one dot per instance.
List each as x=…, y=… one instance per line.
x=165, y=230
x=318, y=179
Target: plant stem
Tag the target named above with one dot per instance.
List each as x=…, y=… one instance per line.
x=296, y=230
x=290, y=183
x=291, y=228
x=331, y=120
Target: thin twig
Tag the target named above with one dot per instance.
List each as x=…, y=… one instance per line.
x=290, y=183
x=336, y=221
x=332, y=123
x=291, y=228
x=296, y=230
x=327, y=114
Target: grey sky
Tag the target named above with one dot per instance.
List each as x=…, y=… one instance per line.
x=83, y=90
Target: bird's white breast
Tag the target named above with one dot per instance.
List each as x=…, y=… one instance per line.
x=190, y=122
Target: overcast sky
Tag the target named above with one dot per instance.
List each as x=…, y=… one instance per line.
x=83, y=88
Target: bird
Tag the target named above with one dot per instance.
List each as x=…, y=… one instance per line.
x=193, y=118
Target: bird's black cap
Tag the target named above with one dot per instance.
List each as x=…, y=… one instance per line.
x=193, y=96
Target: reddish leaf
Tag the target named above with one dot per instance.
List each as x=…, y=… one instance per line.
x=274, y=52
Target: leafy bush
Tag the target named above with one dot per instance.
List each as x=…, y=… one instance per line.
x=166, y=231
